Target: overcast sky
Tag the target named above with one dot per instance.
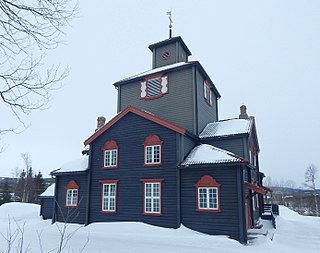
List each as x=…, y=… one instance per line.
x=265, y=54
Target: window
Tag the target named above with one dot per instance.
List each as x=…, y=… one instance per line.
x=110, y=154
x=72, y=194
x=252, y=155
x=109, y=196
x=154, y=87
x=152, y=196
x=152, y=150
x=208, y=198
x=153, y=154
x=165, y=55
x=207, y=195
x=207, y=93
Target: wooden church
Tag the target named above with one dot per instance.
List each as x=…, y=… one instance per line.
x=166, y=158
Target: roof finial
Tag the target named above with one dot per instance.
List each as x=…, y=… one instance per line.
x=170, y=23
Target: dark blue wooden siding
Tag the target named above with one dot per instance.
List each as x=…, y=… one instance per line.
x=189, y=144
x=227, y=222
x=72, y=215
x=129, y=133
x=46, y=207
x=234, y=145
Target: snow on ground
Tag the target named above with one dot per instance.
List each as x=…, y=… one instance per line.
x=294, y=234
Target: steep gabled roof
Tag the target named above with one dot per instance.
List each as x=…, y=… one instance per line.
x=227, y=127
x=208, y=154
x=144, y=114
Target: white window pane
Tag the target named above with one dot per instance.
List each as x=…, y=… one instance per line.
x=156, y=205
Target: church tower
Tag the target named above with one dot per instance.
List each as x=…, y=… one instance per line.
x=175, y=89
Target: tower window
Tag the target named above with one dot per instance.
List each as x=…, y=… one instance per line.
x=207, y=93
x=165, y=55
x=154, y=87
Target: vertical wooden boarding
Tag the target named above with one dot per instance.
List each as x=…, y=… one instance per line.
x=248, y=214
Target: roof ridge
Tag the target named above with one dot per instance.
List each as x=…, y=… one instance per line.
x=202, y=154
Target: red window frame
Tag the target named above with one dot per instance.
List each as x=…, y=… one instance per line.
x=104, y=182
x=151, y=181
x=109, y=146
x=72, y=186
x=152, y=141
x=207, y=182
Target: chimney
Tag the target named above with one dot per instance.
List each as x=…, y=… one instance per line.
x=101, y=121
x=243, y=112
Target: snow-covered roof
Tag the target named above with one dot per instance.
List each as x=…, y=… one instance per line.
x=49, y=192
x=156, y=70
x=74, y=166
x=227, y=127
x=207, y=154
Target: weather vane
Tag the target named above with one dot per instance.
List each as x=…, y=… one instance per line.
x=170, y=23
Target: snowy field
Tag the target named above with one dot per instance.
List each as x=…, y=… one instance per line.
x=294, y=234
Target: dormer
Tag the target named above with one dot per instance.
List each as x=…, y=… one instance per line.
x=169, y=51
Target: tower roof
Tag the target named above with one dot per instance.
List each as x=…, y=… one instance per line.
x=169, y=41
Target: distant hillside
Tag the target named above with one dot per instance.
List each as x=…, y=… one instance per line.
x=291, y=191
x=299, y=200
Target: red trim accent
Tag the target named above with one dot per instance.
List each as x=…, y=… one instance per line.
x=152, y=139
x=207, y=182
x=144, y=181
x=266, y=188
x=138, y=112
x=109, y=145
x=102, y=182
x=255, y=188
x=72, y=185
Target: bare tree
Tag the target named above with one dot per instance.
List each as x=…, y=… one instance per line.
x=311, y=175
x=28, y=29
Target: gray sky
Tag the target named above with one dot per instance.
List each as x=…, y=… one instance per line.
x=265, y=54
